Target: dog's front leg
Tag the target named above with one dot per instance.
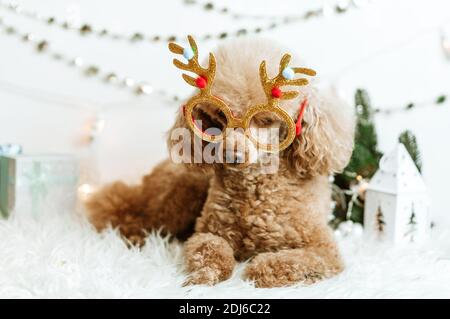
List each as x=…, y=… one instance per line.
x=209, y=259
x=287, y=267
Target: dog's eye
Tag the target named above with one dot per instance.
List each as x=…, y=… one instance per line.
x=209, y=116
x=267, y=121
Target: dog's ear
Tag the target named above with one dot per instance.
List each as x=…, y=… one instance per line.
x=326, y=141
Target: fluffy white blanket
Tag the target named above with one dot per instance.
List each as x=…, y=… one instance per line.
x=63, y=257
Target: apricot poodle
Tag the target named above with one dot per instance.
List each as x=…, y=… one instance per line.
x=231, y=212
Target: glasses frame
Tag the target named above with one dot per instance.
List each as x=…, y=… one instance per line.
x=234, y=122
x=271, y=88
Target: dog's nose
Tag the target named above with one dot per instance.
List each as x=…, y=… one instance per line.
x=234, y=157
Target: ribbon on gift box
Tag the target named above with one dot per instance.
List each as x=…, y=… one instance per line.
x=37, y=180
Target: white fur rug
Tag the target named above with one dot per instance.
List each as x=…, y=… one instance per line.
x=63, y=257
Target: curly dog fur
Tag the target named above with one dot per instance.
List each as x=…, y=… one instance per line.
x=277, y=220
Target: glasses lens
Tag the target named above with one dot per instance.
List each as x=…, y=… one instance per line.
x=268, y=129
x=209, y=119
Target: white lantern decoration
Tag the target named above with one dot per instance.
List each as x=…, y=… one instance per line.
x=397, y=204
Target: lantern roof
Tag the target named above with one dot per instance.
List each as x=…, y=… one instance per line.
x=397, y=174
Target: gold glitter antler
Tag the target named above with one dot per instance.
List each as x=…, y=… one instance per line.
x=284, y=77
x=205, y=75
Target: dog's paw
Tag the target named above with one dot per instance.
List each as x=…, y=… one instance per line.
x=204, y=276
x=278, y=269
x=133, y=236
x=135, y=241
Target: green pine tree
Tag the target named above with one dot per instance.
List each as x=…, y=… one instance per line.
x=365, y=157
x=408, y=139
x=364, y=162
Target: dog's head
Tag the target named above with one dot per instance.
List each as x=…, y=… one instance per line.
x=324, y=144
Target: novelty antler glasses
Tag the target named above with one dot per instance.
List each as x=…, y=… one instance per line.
x=271, y=89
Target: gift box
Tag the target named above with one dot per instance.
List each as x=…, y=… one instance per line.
x=35, y=185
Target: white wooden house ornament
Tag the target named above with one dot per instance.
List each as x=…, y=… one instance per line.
x=397, y=204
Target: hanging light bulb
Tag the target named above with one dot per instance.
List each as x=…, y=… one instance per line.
x=85, y=191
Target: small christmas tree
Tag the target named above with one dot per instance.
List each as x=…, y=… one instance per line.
x=380, y=221
x=362, y=165
x=412, y=225
x=365, y=157
x=349, y=186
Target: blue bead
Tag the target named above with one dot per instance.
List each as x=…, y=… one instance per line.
x=288, y=73
x=188, y=53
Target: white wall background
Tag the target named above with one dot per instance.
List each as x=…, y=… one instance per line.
x=391, y=48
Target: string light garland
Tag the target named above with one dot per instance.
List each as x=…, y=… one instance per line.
x=89, y=70
x=144, y=88
x=328, y=9
x=211, y=7
x=86, y=29
x=441, y=99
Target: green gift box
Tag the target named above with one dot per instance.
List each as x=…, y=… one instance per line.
x=32, y=184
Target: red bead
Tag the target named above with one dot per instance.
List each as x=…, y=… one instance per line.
x=276, y=92
x=201, y=82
